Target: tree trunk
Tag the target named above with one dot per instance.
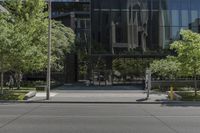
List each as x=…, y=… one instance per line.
x=2, y=82
x=195, y=84
x=18, y=78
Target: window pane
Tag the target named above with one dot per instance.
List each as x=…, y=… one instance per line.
x=175, y=18
x=195, y=12
x=155, y=4
x=165, y=39
x=173, y=4
x=105, y=4
x=115, y=4
x=184, y=18
x=195, y=29
x=195, y=4
x=185, y=4
x=194, y=18
x=165, y=18
x=175, y=33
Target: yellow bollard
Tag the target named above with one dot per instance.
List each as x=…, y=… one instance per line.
x=171, y=93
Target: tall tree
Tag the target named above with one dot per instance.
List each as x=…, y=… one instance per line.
x=188, y=54
x=62, y=43
x=5, y=45
x=30, y=23
x=30, y=36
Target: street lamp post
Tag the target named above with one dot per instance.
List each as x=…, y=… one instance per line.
x=49, y=54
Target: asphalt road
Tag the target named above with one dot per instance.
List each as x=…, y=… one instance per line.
x=98, y=118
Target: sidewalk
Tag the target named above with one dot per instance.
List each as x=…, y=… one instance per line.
x=100, y=96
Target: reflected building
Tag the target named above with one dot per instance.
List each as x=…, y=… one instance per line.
x=138, y=28
x=136, y=23
x=129, y=26
x=110, y=29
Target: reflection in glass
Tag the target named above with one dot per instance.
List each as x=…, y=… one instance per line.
x=175, y=33
x=175, y=18
x=184, y=18
x=141, y=25
x=194, y=18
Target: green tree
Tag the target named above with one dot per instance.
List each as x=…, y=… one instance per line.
x=188, y=54
x=30, y=26
x=5, y=45
x=63, y=42
x=29, y=37
x=166, y=68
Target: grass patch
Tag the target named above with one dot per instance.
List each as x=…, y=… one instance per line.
x=15, y=94
x=189, y=96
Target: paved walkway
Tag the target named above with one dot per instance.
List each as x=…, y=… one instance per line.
x=100, y=95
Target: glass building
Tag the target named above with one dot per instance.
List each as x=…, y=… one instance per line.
x=129, y=32
x=74, y=14
x=110, y=30
x=140, y=26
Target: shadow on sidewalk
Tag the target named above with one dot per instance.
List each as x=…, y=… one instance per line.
x=142, y=99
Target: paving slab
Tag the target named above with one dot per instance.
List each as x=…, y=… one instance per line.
x=100, y=96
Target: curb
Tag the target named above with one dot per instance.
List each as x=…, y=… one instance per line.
x=107, y=102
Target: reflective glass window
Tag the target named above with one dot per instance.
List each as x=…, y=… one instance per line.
x=163, y=5
x=105, y=4
x=155, y=4
x=195, y=4
x=185, y=4
x=175, y=33
x=115, y=4
x=175, y=18
x=195, y=29
x=194, y=18
x=124, y=35
x=166, y=37
x=96, y=4
x=95, y=18
x=185, y=17
x=124, y=4
x=155, y=29
x=165, y=18
x=195, y=12
x=105, y=16
x=173, y=4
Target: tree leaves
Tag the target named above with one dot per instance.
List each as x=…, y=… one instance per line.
x=26, y=43
x=187, y=61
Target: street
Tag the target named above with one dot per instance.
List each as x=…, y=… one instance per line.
x=98, y=118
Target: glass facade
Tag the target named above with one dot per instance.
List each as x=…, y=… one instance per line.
x=140, y=26
x=76, y=15
x=109, y=32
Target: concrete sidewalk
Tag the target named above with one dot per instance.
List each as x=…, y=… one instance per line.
x=100, y=96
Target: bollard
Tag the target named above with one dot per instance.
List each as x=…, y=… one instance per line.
x=171, y=93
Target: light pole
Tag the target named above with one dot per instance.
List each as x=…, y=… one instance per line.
x=49, y=54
